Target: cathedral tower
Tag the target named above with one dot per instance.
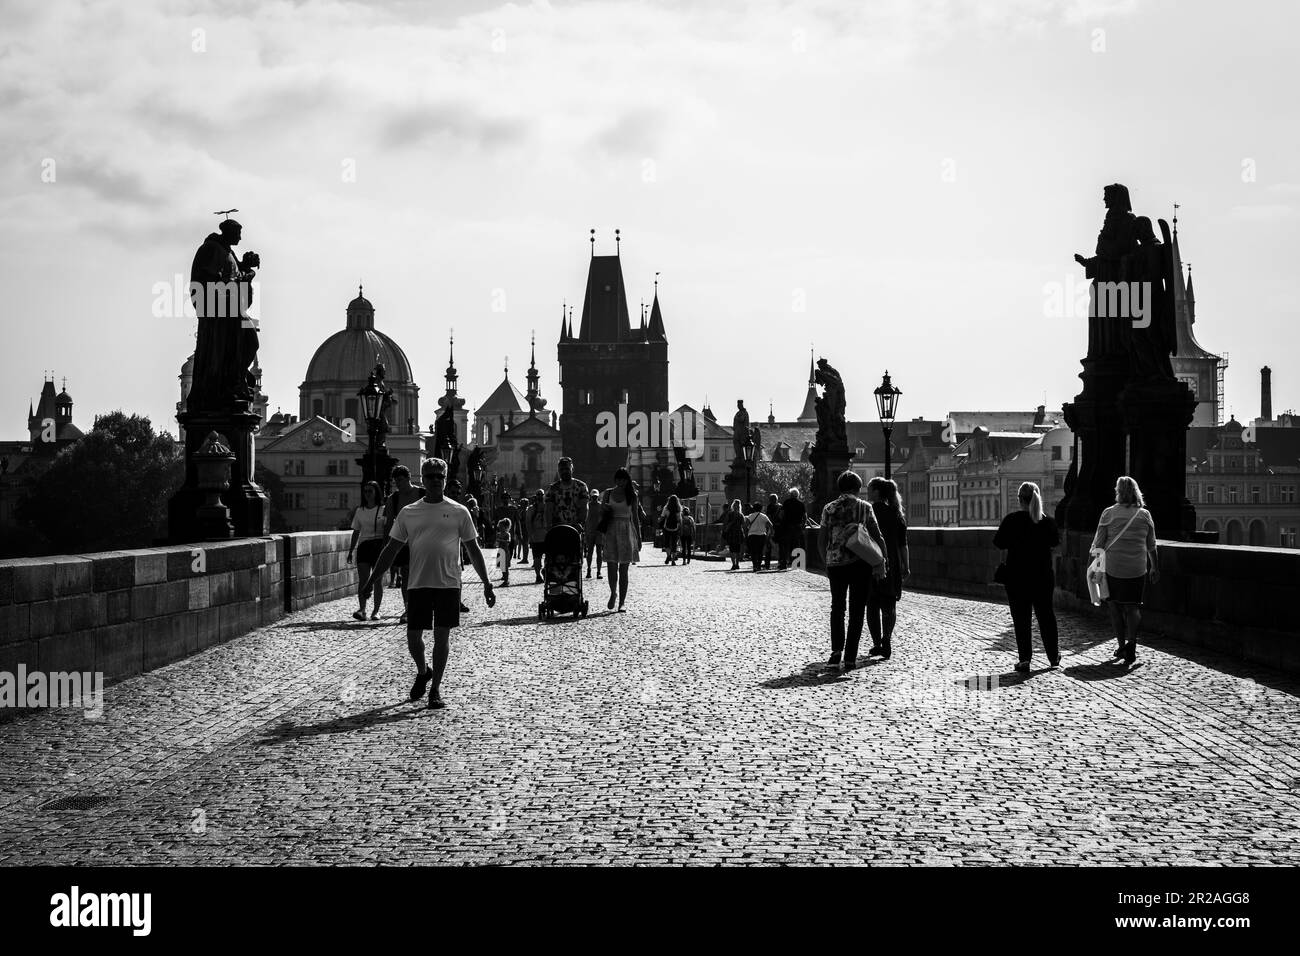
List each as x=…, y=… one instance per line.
x=608, y=363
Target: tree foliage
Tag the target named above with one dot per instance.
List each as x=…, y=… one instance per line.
x=776, y=478
x=109, y=490
x=273, y=485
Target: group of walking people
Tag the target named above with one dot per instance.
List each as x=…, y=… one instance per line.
x=763, y=531
x=430, y=537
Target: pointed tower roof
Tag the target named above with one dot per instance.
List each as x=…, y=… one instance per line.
x=1184, y=304
x=564, y=332
x=504, y=398
x=809, y=413
x=655, y=331
x=604, y=305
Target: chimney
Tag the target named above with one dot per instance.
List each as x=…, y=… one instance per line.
x=1040, y=415
x=1266, y=393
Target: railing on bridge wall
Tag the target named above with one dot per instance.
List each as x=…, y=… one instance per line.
x=126, y=612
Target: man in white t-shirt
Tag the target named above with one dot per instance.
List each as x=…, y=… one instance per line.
x=432, y=529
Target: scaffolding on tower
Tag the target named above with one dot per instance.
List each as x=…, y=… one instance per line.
x=1219, y=368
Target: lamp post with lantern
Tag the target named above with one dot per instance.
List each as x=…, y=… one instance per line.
x=376, y=398
x=887, y=406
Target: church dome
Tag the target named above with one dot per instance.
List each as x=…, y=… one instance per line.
x=343, y=362
x=350, y=354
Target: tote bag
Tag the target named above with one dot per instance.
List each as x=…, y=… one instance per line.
x=861, y=544
x=1098, y=587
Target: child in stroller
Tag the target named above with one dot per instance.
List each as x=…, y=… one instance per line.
x=562, y=578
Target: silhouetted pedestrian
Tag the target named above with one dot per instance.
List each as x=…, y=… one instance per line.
x=1028, y=536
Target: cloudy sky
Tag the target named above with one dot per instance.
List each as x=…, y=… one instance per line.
x=896, y=182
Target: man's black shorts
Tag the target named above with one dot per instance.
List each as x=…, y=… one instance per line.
x=433, y=607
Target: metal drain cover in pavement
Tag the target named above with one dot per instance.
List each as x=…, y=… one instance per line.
x=82, y=801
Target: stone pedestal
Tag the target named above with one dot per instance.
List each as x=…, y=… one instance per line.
x=734, y=484
x=1156, y=416
x=828, y=464
x=1099, y=429
x=250, y=512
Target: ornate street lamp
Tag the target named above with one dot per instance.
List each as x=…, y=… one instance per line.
x=887, y=405
x=376, y=399
x=748, y=451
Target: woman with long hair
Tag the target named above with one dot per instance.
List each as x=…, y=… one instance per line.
x=1127, y=536
x=670, y=520
x=622, y=533
x=883, y=601
x=368, y=541
x=733, y=532
x=851, y=578
x=1028, y=536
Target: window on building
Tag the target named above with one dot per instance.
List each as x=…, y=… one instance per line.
x=1288, y=494
x=1209, y=494
x=1234, y=464
x=713, y=453
x=1287, y=537
x=1056, y=453
x=288, y=466
x=715, y=483
x=332, y=500
x=318, y=406
x=299, y=466
x=332, y=467
x=1058, y=482
x=1254, y=494
x=350, y=409
x=1232, y=494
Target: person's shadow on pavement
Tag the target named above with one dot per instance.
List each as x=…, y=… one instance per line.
x=287, y=730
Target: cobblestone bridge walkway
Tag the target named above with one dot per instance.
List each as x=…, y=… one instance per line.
x=697, y=727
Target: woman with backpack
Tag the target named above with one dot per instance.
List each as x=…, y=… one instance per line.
x=850, y=576
x=670, y=522
x=1126, y=537
x=1028, y=536
x=687, y=536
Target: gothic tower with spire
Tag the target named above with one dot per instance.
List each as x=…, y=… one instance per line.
x=1200, y=369
x=609, y=363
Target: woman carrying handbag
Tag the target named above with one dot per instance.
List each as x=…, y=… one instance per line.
x=1126, y=538
x=851, y=543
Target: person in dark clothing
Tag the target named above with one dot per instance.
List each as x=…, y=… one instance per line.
x=1028, y=536
x=790, y=530
x=883, y=601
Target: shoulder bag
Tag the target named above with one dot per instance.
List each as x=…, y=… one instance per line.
x=1098, y=588
x=861, y=544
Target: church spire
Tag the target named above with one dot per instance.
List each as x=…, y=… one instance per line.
x=451, y=362
x=535, y=401
x=655, y=331
x=809, y=413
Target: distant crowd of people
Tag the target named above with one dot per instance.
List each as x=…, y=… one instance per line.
x=425, y=538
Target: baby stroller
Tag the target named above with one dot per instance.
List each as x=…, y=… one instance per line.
x=562, y=578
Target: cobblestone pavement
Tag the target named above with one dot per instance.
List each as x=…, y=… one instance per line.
x=697, y=727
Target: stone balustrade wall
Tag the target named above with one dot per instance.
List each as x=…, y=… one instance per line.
x=125, y=612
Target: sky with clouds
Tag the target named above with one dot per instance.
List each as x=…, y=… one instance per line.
x=895, y=183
